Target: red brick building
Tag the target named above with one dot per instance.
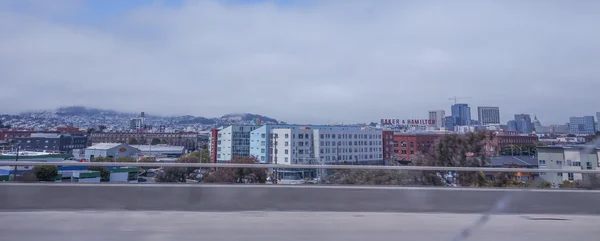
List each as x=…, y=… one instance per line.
x=498, y=140
x=388, y=144
x=214, y=133
x=406, y=146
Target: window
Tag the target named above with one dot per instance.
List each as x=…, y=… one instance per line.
x=285, y=159
x=559, y=174
x=286, y=151
x=403, y=151
x=287, y=136
x=300, y=136
x=262, y=143
x=301, y=151
x=570, y=176
x=306, y=136
x=322, y=151
x=542, y=163
x=322, y=136
x=412, y=152
x=262, y=150
x=576, y=164
x=403, y=144
x=412, y=144
x=287, y=143
x=301, y=143
x=559, y=163
x=263, y=135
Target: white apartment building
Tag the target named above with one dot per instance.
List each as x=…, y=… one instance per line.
x=566, y=158
x=325, y=146
x=233, y=141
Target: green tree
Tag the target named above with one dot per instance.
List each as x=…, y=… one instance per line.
x=101, y=128
x=238, y=175
x=178, y=174
x=104, y=173
x=546, y=185
x=163, y=141
x=567, y=184
x=171, y=174
x=148, y=160
x=205, y=157
x=102, y=159
x=133, y=141
x=91, y=130
x=455, y=150
x=45, y=173
x=196, y=154
x=126, y=159
x=155, y=141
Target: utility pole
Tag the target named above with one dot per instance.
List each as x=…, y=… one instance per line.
x=16, y=160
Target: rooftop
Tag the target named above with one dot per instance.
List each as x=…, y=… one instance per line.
x=499, y=161
x=104, y=146
x=159, y=148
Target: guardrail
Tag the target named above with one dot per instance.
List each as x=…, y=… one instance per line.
x=295, y=166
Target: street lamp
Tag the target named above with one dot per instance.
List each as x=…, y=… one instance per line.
x=16, y=160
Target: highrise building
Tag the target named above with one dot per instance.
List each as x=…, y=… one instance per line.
x=461, y=114
x=582, y=125
x=597, y=118
x=488, y=115
x=138, y=123
x=438, y=117
x=449, y=123
x=523, y=123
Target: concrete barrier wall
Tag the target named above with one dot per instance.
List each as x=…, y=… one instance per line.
x=57, y=196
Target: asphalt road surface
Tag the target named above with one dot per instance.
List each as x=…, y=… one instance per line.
x=301, y=226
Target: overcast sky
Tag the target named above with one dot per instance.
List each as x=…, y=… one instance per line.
x=302, y=61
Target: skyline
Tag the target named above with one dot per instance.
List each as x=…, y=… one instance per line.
x=474, y=115
x=302, y=61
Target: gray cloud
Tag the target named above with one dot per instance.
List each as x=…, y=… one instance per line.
x=325, y=62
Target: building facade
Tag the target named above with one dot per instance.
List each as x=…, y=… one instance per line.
x=510, y=143
x=111, y=150
x=449, y=123
x=326, y=146
x=64, y=143
x=461, y=114
x=187, y=139
x=488, y=115
x=234, y=141
x=566, y=158
x=408, y=146
x=582, y=125
x=388, y=144
x=438, y=117
x=261, y=137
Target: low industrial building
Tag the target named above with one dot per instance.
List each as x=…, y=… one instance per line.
x=111, y=150
x=161, y=150
x=52, y=142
